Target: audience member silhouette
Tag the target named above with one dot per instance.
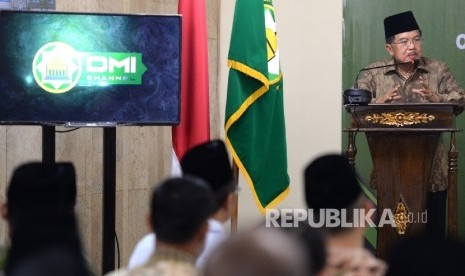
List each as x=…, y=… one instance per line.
x=310, y=237
x=42, y=223
x=209, y=161
x=331, y=185
x=261, y=251
x=180, y=209
x=427, y=256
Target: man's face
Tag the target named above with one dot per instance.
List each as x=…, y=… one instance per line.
x=406, y=47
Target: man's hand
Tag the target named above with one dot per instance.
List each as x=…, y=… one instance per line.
x=389, y=97
x=426, y=93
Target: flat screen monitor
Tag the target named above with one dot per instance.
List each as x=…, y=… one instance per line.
x=89, y=69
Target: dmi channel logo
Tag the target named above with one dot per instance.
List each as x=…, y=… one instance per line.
x=58, y=67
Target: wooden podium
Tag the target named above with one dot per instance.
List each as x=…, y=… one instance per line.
x=402, y=139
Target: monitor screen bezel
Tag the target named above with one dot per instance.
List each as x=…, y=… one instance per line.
x=92, y=123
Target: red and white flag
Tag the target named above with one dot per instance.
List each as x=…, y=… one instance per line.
x=194, y=128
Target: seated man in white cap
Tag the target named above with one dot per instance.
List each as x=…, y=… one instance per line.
x=209, y=161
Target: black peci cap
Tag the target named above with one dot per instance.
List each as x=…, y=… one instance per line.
x=209, y=161
x=38, y=186
x=331, y=183
x=400, y=23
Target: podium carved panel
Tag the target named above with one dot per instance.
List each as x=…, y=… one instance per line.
x=403, y=139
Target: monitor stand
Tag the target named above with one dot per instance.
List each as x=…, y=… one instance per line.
x=109, y=187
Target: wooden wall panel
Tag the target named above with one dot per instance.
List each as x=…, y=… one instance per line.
x=143, y=159
x=18, y=144
x=216, y=125
x=84, y=147
x=143, y=153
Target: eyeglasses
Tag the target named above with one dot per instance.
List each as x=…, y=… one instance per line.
x=404, y=42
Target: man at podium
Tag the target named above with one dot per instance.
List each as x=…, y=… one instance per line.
x=409, y=77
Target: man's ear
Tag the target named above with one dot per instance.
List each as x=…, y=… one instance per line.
x=202, y=232
x=231, y=202
x=368, y=205
x=4, y=211
x=389, y=49
x=148, y=220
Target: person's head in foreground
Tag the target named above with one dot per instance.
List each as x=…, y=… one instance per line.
x=180, y=208
x=210, y=162
x=36, y=189
x=40, y=214
x=331, y=184
x=261, y=251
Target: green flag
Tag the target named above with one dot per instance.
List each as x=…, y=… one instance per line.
x=254, y=127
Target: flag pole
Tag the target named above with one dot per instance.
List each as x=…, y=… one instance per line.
x=234, y=216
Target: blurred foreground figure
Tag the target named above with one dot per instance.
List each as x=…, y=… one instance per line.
x=180, y=210
x=42, y=224
x=427, y=256
x=331, y=185
x=262, y=251
x=209, y=161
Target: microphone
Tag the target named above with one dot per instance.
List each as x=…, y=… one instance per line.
x=412, y=62
x=362, y=96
